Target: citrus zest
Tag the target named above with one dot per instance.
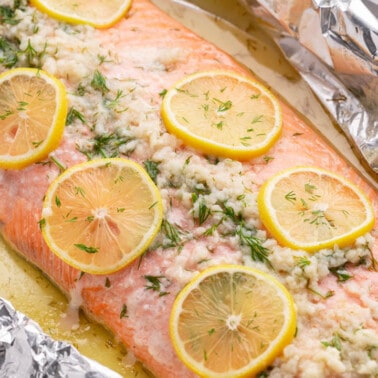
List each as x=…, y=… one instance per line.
x=100, y=215
x=33, y=110
x=310, y=208
x=231, y=321
x=223, y=113
x=97, y=13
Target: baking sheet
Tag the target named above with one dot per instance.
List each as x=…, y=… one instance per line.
x=31, y=293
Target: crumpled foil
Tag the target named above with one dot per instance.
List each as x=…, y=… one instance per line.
x=25, y=351
x=333, y=44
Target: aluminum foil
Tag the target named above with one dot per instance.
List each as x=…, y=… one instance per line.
x=25, y=351
x=333, y=44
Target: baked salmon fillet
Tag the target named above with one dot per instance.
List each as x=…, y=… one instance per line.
x=335, y=290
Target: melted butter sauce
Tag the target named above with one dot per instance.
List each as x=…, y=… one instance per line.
x=33, y=294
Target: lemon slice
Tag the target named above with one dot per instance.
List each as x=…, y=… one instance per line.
x=231, y=321
x=310, y=208
x=223, y=113
x=97, y=13
x=33, y=109
x=100, y=215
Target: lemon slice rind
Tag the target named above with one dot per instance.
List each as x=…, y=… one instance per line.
x=256, y=365
x=53, y=11
x=156, y=208
x=55, y=132
x=241, y=150
x=271, y=222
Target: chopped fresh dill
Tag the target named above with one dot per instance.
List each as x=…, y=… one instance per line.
x=6, y=114
x=163, y=93
x=328, y=294
x=86, y=248
x=257, y=119
x=185, y=91
x=74, y=114
x=203, y=212
x=61, y=167
x=32, y=56
x=229, y=212
x=98, y=82
x=210, y=231
x=341, y=274
x=123, y=313
x=152, y=169
x=219, y=125
x=57, y=202
x=79, y=191
x=103, y=59
x=290, y=196
x=105, y=145
x=81, y=89
x=22, y=105
x=8, y=53
x=42, y=223
x=72, y=220
x=107, y=282
x=258, y=251
x=36, y=144
x=223, y=105
x=154, y=284
x=247, y=236
x=335, y=342
x=267, y=158
x=172, y=233
x=112, y=104
x=8, y=15
x=205, y=107
x=302, y=261
x=309, y=188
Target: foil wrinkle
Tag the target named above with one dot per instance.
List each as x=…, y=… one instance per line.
x=25, y=351
x=334, y=46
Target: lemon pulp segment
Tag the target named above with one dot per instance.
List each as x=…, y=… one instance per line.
x=310, y=208
x=97, y=13
x=232, y=321
x=100, y=215
x=33, y=109
x=223, y=113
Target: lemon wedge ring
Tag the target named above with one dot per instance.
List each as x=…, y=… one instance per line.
x=223, y=113
x=97, y=13
x=100, y=215
x=33, y=110
x=231, y=321
x=311, y=208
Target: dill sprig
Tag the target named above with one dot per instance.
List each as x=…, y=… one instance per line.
x=247, y=236
x=8, y=14
x=74, y=114
x=258, y=251
x=8, y=53
x=203, y=211
x=152, y=169
x=105, y=146
x=172, y=233
x=154, y=284
x=32, y=56
x=98, y=82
